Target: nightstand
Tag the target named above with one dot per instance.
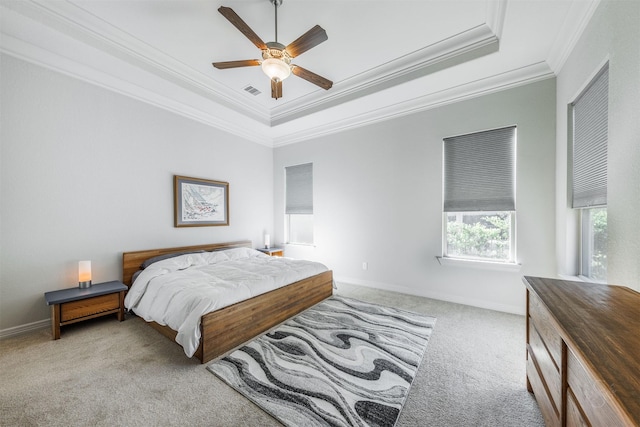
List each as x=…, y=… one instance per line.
x=75, y=304
x=272, y=251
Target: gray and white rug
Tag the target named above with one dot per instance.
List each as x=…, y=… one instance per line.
x=342, y=362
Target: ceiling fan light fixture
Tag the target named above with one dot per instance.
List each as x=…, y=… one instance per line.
x=276, y=69
x=276, y=57
x=275, y=61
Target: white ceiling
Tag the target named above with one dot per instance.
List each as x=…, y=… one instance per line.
x=386, y=58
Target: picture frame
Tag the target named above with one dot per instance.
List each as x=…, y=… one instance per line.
x=200, y=202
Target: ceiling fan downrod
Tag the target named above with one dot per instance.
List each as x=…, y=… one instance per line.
x=275, y=4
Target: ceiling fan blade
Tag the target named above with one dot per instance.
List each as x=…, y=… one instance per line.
x=276, y=89
x=310, y=39
x=311, y=77
x=236, y=64
x=233, y=17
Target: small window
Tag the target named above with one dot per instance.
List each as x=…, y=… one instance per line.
x=594, y=244
x=480, y=235
x=589, y=145
x=299, y=204
x=479, y=196
x=300, y=229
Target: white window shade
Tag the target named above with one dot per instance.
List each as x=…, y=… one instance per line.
x=590, y=140
x=479, y=171
x=299, y=189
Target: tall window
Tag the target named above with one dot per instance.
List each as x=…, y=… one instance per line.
x=479, y=195
x=299, y=204
x=589, y=116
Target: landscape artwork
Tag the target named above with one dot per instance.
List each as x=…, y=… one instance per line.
x=200, y=202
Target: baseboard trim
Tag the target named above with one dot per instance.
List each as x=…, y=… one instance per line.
x=506, y=308
x=23, y=329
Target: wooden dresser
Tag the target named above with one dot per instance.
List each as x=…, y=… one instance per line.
x=583, y=352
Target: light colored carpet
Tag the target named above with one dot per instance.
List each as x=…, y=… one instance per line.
x=105, y=372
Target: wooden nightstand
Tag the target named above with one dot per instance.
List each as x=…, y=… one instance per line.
x=75, y=305
x=272, y=251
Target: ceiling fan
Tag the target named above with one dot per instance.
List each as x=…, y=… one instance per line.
x=276, y=57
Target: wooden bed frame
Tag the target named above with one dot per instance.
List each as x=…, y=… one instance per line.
x=225, y=329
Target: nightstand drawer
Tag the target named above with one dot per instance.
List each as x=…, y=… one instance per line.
x=89, y=306
x=73, y=305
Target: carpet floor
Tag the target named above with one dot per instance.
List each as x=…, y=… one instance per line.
x=106, y=373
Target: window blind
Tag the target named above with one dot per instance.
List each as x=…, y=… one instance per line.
x=299, y=189
x=590, y=139
x=479, y=171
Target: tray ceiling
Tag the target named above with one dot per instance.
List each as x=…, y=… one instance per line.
x=386, y=58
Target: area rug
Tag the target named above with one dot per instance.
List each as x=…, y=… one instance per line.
x=342, y=362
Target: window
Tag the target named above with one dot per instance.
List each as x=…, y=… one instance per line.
x=589, y=116
x=299, y=204
x=594, y=244
x=479, y=196
x=480, y=235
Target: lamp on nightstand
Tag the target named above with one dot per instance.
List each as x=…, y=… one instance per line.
x=267, y=241
x=84, y=274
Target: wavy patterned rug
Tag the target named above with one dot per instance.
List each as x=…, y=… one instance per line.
x=342, y=362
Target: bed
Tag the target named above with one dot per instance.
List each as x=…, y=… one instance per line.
x=224, y=329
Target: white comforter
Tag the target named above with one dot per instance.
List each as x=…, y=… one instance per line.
x=176, y=292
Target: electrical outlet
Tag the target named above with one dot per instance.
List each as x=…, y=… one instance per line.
x=365, y=265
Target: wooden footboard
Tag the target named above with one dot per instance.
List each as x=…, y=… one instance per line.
x=225, y=329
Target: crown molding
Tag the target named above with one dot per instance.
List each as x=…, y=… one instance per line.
x=203, y=103
x=75, y=22
x=514, y=78
x=38, y=56
x=80, y=25
x=576, y=22
x=464, y=46
x=459, y=48
x=496, y=13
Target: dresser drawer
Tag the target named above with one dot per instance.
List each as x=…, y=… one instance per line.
x=77, y=309
x=574, y=416
x=549, y=370
x=590, y=396
x=544, y=324
x=549, y=412
x=589, y=331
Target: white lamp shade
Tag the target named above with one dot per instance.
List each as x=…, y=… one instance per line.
x=276, y=69
x=84, y=271
x=267, y=241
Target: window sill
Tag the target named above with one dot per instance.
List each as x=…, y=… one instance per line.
x=483, y=265
x=591, y=280
x=571, y=278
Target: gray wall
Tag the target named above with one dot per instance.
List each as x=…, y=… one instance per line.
x=378, y=198
x=87, y=174
x=614, y=34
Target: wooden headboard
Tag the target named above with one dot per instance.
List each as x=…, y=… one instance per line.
x=131, y=261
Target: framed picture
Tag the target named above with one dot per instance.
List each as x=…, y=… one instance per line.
x=200, y=202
